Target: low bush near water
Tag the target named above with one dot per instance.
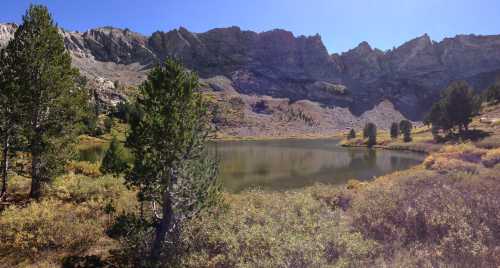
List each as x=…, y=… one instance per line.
x=79, y=188
x=84, y=168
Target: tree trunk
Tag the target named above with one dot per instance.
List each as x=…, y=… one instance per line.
x=36, y=167
x=5, y=164
x=162, y=228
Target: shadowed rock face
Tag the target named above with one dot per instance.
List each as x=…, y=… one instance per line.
x=278, y=64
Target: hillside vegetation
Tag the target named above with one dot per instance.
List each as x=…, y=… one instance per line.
x=441, y=213
x=160, y=204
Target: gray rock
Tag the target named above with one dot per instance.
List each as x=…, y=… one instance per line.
x=280, y=65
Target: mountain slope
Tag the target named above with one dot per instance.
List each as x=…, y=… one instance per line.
x=280, y=65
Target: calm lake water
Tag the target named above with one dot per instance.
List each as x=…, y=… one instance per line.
x=289, y=164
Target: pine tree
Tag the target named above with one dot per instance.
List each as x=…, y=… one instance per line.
x=370, y=133
x=405, y=126
x=394, y=130
x=172, y=168
x=9, y=116
x=459, y=104
x=492, y=94
x=455, y=109
x=113, y=163
x=50, y=99
x=352, y=134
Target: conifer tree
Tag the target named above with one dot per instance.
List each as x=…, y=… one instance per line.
x=172, y=168
x=405, y=126
x=492, y=94
x=459, y=104
x=370, y=133
x=50, y=100
x=113, y=163
x=352, y=134
x=394, y=130
x=9, y=116
x=455, y=109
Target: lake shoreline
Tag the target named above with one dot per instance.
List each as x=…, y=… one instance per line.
x=271, y=138
x=423, y=150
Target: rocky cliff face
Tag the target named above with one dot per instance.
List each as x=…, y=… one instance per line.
x=280, y=65
x=7, y=31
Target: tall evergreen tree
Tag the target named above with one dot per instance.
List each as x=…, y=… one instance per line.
x=405, y=126
x=9, y=116
x=492, y=94
x=370, y=133
x=438, y=118
x=352, y=134
x=394, y=130
x=459, y=104
x=172, y=168
x=455, y=109
x=50, y=99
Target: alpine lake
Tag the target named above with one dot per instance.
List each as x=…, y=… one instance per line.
x=277, y=165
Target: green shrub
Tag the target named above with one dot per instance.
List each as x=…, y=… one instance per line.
x=113, y=162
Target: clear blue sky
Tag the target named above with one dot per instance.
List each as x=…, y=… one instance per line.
x=342, y=23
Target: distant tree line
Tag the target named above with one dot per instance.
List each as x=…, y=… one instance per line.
x=370, y=132
x=450, y=115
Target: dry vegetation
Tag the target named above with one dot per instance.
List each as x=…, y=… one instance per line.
x=443, y=213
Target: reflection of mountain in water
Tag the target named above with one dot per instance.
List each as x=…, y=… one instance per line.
x=294, y=164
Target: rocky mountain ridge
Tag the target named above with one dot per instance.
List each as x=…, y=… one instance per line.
x=280, y=65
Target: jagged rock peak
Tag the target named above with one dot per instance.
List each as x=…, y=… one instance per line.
x=7, y=31
x=363, y=48
x=421, y=42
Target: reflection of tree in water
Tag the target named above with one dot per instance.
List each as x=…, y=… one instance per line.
x=371, y=157
x=281, y=166
x=262, y=169
x=395, y=163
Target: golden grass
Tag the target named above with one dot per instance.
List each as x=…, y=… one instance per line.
x=84, y=168
x=491, y=158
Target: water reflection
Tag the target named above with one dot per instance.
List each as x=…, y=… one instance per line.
x=278, y=165
x=288, y=164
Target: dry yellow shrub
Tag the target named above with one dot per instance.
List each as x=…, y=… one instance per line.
x=84, y=168
x=49, y=225
x=491, y=158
